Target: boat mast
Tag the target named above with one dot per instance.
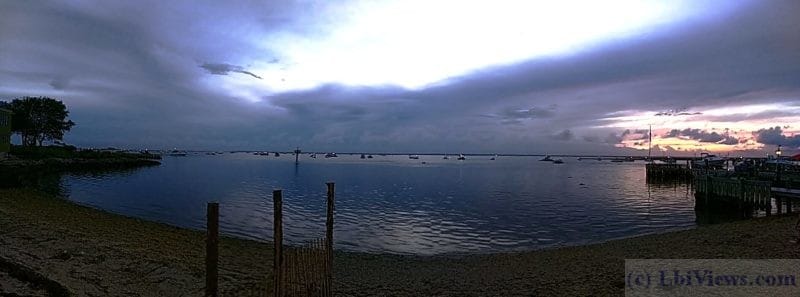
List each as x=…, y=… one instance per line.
x=650, y=144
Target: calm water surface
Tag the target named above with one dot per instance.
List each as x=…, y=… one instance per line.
x=394, y=204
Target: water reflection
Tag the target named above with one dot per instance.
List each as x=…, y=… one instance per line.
x=393, y=204
x=708, y=213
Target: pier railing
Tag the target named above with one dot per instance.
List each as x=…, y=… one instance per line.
x=742, y=192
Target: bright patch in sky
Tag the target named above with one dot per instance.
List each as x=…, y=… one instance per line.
x=709, y=118
x=416, y=43
x=725, y=121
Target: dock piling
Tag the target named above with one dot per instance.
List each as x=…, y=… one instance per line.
x=277, y=203
x=212, y=249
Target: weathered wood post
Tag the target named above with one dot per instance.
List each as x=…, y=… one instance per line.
x=277, y=203
x=212, y=249
x=329, y=237
x=769, y=206
x=788, y=205
x=741, y=195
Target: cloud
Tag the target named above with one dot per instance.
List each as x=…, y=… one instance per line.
x=677, y=112
x=225, y=69
x=517, y=116
x=775, y=136
x=590, y=138
x=59, y=83
x=564, y=135
x=129, y=74
x=703, y=136
x=613, y=138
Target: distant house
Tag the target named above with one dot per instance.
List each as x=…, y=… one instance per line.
x=5, y=131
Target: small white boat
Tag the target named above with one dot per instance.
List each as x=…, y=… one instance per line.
x=413, y=157
x=493, y=157
x=445, y=157
x=176, y=153
x=461, y=157
x=330, y=155
x=313, y=155
x=709, y=161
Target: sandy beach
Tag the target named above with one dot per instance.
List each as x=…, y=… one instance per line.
x=49, y=245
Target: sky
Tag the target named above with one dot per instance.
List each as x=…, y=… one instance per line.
x=524, y=77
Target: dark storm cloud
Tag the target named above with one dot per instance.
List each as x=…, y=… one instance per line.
x=677, y=112
x=224, y=69
x=775, y=136
x=613, y=138
x=703, y=136
x=563, y=135
x=590, y=138
x=129, y=72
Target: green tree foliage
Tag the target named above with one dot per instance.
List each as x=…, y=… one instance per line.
x=37, y=119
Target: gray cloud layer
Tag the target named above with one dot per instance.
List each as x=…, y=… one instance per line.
x=225, y=69
x=130, y=75
x=774, y=136
x=703, y=136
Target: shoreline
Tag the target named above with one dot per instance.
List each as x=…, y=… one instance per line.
x=95, y=253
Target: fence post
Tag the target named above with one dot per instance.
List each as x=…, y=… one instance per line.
x=277, y=259
x=212, y=249
x=329, y=237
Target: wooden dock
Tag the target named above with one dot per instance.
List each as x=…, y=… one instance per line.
x=743, y=193
x=668, y=171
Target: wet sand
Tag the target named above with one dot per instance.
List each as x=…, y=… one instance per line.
x=95, y=253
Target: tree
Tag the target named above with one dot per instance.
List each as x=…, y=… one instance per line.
x=37, y=119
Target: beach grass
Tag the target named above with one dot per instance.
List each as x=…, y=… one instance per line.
x=95, y=253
